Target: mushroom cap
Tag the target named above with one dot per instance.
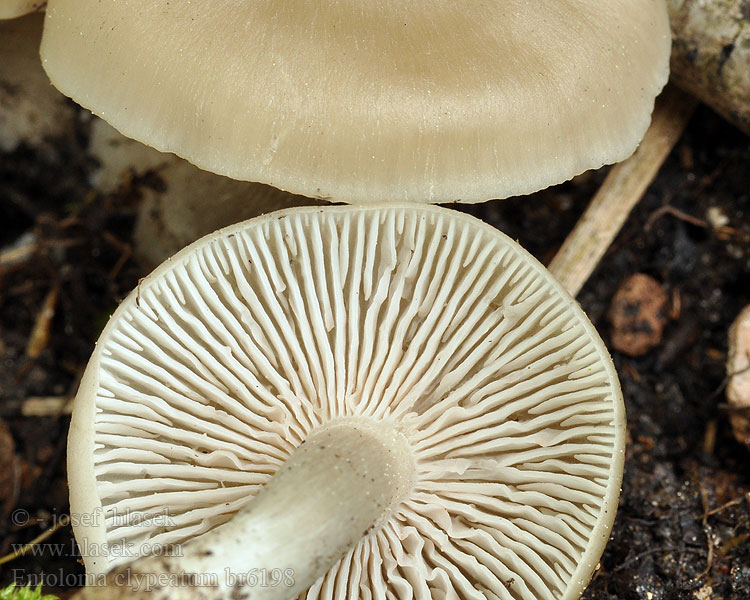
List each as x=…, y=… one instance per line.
x=370, y=101
x=229, y=355
x=10, y=9
x=173, y=214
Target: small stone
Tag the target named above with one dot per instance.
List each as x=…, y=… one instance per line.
x=716, y=217
x=738, y=371
x=705, y=592
x=638, y=315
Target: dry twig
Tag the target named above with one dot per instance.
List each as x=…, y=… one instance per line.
x=706, y=531
x=63, y=522
x=46, y=406
x=40, y=334
x=723, y=507
x=19, y=252
x=675, y=212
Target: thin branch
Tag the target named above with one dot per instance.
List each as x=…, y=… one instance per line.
x=675, y=212
x=63, y=522
x=723, y=507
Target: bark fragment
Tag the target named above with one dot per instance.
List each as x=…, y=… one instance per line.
x=711, y=54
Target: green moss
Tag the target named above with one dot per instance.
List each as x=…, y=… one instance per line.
x=25, y=593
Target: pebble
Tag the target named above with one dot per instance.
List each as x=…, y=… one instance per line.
x=638, y=314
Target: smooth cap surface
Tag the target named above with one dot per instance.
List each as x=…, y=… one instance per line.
x=10, y=9
x=366, y=101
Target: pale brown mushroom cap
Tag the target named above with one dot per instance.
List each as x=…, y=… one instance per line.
x=370, y=101
x=233, y=353
x=10, y=9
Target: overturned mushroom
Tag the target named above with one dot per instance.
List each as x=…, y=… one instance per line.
x=394, y=399
x=370, y=101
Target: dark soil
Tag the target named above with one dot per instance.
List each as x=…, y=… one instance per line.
x=683, y=527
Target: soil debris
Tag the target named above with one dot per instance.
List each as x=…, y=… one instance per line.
x=638, y=315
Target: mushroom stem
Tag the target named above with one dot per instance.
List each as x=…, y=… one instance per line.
x=623, y=187
x=343, y=481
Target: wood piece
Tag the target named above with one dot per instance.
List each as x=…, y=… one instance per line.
x=46, y=406
x=40, y=334
x=711, y=54
x=622, y=189
x=18, y=252
x=37, y=406
x=738, y=372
